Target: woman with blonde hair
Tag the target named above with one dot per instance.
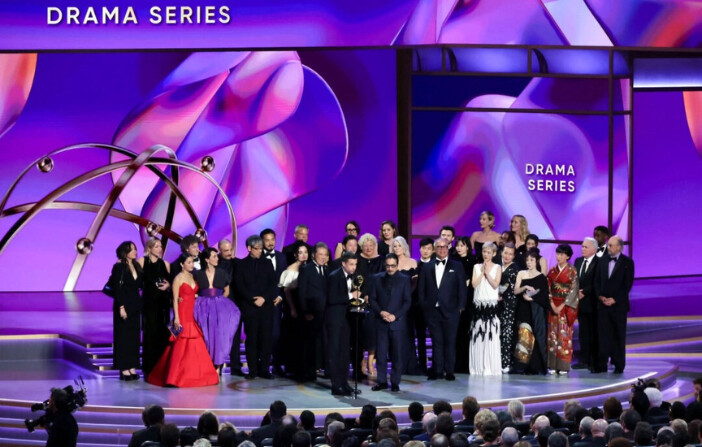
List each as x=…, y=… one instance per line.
x=520, y=228
x=486, y=234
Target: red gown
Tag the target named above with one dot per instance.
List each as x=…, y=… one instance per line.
x=186, y=362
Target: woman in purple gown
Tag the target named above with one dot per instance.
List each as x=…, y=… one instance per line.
x=217, y=315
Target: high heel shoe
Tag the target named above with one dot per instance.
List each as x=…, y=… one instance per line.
x=133, y=377
x=125, y=377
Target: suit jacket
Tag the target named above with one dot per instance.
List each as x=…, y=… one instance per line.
x=152, y=433
x=337, y=301
x=255, y=277
x=451, y=294
x=587, y=284
x=594, y=442
x=280, y=265
x=267, y=431
x=618, y=285
x=397, y=303
x=312, y=289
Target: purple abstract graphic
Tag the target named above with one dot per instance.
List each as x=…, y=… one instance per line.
x=291, y=134
x=16, y=76
x=550, y=167
x=79, y=24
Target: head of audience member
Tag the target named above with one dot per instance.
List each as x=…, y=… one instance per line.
x=599, y=427
x=153, y=415
x=441, y=248
x=612, y=408
x=490, y=432
x=463, y=246
x=614, y=246
x=585, y=427
x=444, y=424
x=544, y=434
x=614, y=430
x=557, y=439
x=639, y=402
x=227, y=436
x=693, y=430
x=441, y=406
x=601, y=233
x=247, y=443
x=365, y=419
x=680, y=440
x=516, y=410
x=693, y=411
x=481, y=418
x=307, y=420
x=458, y=439
x=426, y=248
x=388, y=414
x=415, y=411
x=655, y=397
x=414, y=443
x=321, y=253
x=170, y=435
x=629, y=419
x=507, y=237
x=202, y=442
x=677, y=410
x=331, y=417
x=254, y=244
x=439, y=440
x=589, y=247
x=679, y=426
x=277, y=410
x=302, y=438
x=208, y=425
x=531, y=241
x=225, y=249
x=503, y=417
x=190, y=245
x=580, y=413
x=448, y=232
x=554, y=419
x=283, y=436
x=470, y=408
x=429, y=423
x=388, y=441
x=596, y=413
x=188, y=436
x=697, y=387
x=333, y=432
x=643, y=434
x=302, y=232
x=388, y=230
x=664, y=436
x=509, y=437
x=540, y=423
x=619, y=441
x=523, y=444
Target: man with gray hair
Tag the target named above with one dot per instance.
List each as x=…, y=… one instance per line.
x=584, y=431
x=655, y=414
x=509, y=437
x=597, y=434
x=333, y=433
x=429, y=426
x=586, y=266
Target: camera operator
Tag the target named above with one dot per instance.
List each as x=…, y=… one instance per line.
x=62, y=426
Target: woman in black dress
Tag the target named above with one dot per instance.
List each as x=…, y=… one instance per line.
x=126, y=280
x=508, y=305
x=157, y=304
x=532, y=289
x=388, y=232
x=467, y=260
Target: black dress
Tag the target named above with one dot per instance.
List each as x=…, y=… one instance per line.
x=534, y=313
x=156, y=314
x=367, y=268
x=466, y=319
x=383, y=249
x=126, y=331
x=507, y=310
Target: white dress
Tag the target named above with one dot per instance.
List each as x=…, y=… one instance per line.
x=485, y=357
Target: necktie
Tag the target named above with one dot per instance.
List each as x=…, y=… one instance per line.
x=582, y=272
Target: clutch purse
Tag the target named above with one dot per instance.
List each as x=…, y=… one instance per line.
x=172, y=329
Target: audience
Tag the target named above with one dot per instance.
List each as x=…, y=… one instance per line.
x=515, y=409
x=470, y=409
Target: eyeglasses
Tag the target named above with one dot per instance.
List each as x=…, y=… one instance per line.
x=390, y=266
x=351, y=229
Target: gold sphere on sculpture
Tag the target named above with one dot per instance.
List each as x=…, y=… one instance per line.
x=152, y=229
x=84, y=246
x=207, y=164
x=45, y=165
x=201, y=234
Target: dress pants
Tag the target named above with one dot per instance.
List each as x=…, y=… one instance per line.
x=393, y=342
x=337, y=333
x=415, y=358
x=587, y=337
x=257, y=323
x=612, y=338
x=443, y=336
x=235, y=352
x=311, y=333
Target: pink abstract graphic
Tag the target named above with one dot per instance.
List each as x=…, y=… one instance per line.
x=16, y=77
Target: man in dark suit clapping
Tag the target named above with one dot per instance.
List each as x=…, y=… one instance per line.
x=613, y=282
x=586, y=266
x=312, y=290
x=258, y=294
x=442, y=295
x=279, y=265
x=336, y=327
x=390, y=298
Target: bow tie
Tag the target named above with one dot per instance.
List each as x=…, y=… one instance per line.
x=614, y=259
x=270, y=254
x=442, y=262
x=601, y=248
x=349, y=278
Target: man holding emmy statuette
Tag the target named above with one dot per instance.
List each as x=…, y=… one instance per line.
x=340, y=294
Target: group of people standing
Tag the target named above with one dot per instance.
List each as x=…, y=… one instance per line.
x=490, y=304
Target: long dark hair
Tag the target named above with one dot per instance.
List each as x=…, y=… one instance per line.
x=123, y=250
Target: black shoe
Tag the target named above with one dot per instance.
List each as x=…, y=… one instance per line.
x=380, y=386
x=278, y=371
x=598, y=370
x=124, y=377
x=395, y=388
x=581, y=366
x=351, y=390
x=134, y=376
x=450, y=377
x=340, y=392
x=237, y=372
x=249, y=376
x=618, y=371
x=431, y=375
x=267, y=376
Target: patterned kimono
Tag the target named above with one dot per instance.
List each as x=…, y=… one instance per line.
x=563, y=288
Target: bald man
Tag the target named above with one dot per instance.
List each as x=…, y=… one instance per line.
x=613, y=281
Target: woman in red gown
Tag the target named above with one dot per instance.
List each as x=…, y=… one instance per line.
x=563, y=288
x=186, y=362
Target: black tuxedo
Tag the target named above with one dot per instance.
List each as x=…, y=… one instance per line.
x=278, y=347
x=612, y=320
x=337, y=330
x=152, y=433
x=417, y=329
x=235, y=352
x=255, y=277
x=587, y=311
x=312, y=290
x=442, y=304
x=393, y=294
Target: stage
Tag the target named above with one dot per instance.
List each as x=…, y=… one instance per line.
x=48, y=339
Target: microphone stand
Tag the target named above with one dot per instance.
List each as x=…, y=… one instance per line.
x=359, y=309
